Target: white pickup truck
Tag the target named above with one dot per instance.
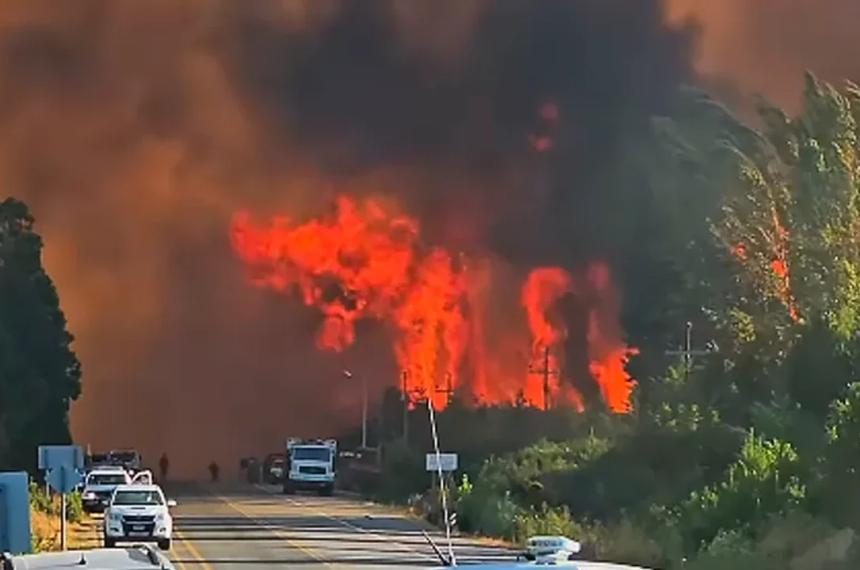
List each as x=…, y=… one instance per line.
x=100, y=485
x=138, y=513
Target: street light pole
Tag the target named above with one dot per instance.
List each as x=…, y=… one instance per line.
x=348, y=375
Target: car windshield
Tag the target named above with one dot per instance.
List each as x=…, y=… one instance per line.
x=106, y=479
x=137, y=498
x=311, y=454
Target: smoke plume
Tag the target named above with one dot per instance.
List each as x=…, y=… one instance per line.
x=763, y=48
x=137, y=130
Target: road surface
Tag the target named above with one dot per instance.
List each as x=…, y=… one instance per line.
x=247, y=527
x=242, y=526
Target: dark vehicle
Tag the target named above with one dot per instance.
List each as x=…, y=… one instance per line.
x=96, y=459
x=128, y=459
x=274, y=467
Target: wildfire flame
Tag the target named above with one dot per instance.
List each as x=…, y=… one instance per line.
x=778, y=244
x=365, y=261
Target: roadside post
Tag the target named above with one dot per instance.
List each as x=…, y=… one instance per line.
x=15, y=513
x=63, y=465
x=440, y=461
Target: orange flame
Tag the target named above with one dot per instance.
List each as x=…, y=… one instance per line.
x=608, y=354
x=779, y=245
x=363, y=261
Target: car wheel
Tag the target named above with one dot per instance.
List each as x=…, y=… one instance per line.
x=110, y=542
x=288, y=490
x=164, y=544
x=327, y=491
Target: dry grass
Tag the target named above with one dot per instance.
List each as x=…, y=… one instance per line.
x=46, y=532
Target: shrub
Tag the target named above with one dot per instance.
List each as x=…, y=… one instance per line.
x=763, y=482
x=730, y=549
x=74, y=507
x=40, y=500
x=403, y=474
x=487, y=513
x=546, y=520
x=626, y=543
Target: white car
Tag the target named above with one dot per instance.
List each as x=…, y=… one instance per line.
x=99, y=486
x=133, y=558
x=138, y=513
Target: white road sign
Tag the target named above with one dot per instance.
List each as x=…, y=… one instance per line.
x=447, y=460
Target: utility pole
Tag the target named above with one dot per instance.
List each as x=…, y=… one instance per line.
x=546, y=372
x=404, y=376
x=348, y=375
x=448, y=390
x=688, y=353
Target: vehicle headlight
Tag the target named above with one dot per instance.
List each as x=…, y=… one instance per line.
x=114, y=517
x=159, y=518
x=88, y=496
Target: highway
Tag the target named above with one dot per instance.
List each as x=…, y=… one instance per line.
x=243, y=526
x=253, y=526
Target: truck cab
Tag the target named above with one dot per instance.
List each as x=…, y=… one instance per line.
x=310, y=466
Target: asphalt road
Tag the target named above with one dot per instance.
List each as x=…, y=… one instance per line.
x=245, y=527
x=242, y=526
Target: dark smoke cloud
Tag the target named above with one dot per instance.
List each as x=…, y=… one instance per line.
x=362, y=98
x=135, y=129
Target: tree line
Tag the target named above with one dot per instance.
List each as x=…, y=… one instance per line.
x=39, y=373
x=747, y=456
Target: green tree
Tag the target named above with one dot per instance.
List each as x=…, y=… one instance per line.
x=838, y=490
x=765, y=480
x=770, y=246
x=39, y=373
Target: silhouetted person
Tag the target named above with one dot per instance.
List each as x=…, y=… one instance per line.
x=163, y=465
x=213, y=471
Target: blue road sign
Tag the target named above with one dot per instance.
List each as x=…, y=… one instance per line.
x=14, y=513
x=64, y=479
x=52, y=456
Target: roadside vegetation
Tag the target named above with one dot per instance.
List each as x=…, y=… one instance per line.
x=45, y=512
x=749, y=455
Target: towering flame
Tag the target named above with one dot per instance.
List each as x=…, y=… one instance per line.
x=365, y=260
x=543, y=288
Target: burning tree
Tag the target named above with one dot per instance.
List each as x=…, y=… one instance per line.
x=792, y=221
x=776, y=265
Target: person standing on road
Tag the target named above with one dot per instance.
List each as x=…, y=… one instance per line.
x=213, y=471
x=163, y=465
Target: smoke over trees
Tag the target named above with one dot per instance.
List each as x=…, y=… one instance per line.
x=135, y=130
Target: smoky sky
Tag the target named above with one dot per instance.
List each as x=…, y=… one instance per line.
x=361, y=98
x=135, y=130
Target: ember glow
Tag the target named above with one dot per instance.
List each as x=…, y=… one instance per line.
x=365, y=260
